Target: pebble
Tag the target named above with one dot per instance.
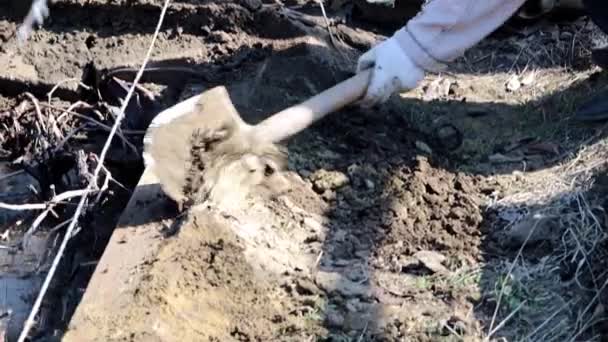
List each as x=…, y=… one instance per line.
x=531, y=229
x=432, y=260
x=423, y=147
x=313, y=224
x=513, y=84
x=205, y=30
x=220, y=37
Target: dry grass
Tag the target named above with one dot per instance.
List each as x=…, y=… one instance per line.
x=538, y=304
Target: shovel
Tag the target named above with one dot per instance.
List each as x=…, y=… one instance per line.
x=201, y=148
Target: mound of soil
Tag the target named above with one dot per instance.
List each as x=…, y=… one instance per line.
x=200, y=287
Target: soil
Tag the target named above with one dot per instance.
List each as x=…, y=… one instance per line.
x=201, y=288
x=384, y=228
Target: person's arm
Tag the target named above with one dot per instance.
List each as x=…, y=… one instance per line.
x=441, y=32
x=445, y=29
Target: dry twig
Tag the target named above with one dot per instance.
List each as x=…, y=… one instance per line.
x=50, y=93
x=96, y=123
x=41, y=206
x=36, y=307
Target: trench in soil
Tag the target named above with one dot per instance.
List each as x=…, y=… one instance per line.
x=386, y=240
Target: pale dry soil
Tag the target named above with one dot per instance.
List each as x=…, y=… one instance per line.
x=402, y=222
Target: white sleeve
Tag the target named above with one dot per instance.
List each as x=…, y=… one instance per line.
x=444, y=29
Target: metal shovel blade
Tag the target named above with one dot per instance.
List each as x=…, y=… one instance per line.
x=168, y=140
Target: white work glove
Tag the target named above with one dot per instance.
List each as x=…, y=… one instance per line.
x=393, y=72
x=36, y=15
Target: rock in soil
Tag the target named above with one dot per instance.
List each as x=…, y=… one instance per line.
x=432, y=260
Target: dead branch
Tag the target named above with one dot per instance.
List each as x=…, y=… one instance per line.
x=97, y=123
x=71, y=108
x=62, y=197
x=38, y=111
x=30, y=321
x=50, y=93
x=40, y=218
x=109, y=175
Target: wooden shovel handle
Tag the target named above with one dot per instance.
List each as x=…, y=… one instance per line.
x=295, y=119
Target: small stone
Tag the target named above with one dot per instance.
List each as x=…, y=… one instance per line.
x=362, y=254
x=357, y=273
x=514, y=84
x=370, y=184
x=449, y=136
x=313, y=224
x=423, y=147
x=341, y=262
x=528, y=79
x=432, y=260
x=396, y=283
x=499, y=158
x=220, y=37
x=532, y=229
x=205, y=30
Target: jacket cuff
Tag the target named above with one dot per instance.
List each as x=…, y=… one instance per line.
x=417, y=52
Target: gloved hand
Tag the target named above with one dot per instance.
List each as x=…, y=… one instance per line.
x=36, y=15
x=393, y=72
